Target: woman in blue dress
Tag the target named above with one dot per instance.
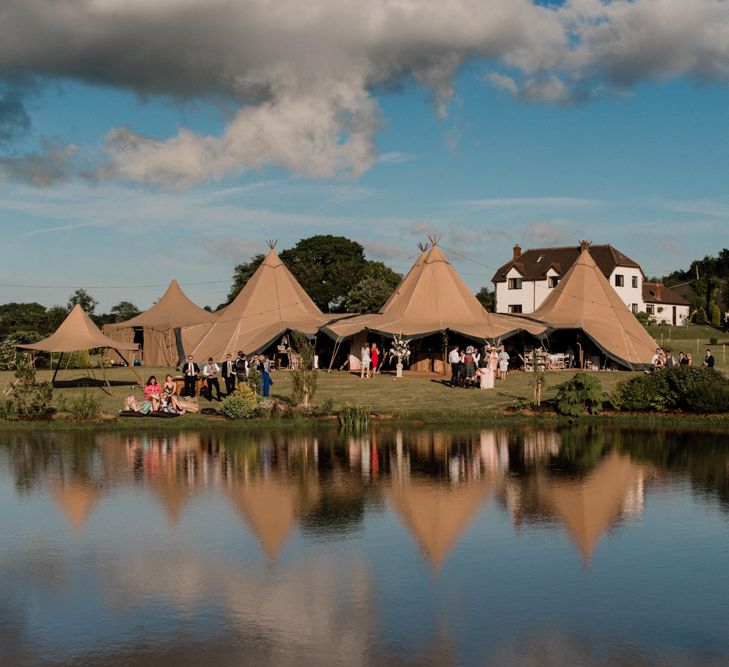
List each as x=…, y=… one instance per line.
x=266, y=380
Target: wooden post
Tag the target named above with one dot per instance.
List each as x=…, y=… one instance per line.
x=697, y=348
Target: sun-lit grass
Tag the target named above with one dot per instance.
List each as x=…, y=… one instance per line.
x=415, y=395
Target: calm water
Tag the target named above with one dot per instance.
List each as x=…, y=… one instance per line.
x=579, y=546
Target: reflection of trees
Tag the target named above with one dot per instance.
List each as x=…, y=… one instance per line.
x=581, y=447
x=702, y=455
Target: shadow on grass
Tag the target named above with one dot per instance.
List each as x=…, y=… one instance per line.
x=92, y=382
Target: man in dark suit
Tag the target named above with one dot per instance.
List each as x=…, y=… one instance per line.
x=190, y=370
x=228, y=367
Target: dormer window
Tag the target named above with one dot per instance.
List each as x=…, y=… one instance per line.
x=553, y=281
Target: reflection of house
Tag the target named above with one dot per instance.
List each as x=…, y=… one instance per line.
x=589, y=506
x=437, y=515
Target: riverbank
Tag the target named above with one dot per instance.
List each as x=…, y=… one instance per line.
x=417, y=398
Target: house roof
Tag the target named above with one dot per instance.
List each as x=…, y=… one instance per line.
x=659, y=293
x=533, y=264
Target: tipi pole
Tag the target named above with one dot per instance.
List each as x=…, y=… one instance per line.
x=58, y=365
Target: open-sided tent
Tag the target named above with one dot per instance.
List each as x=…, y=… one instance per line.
x=271, y=303
x=173, y=310
x=433, y=298
x=585, y=300
x=77, y=332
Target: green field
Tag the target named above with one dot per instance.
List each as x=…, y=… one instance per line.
x=416, y=395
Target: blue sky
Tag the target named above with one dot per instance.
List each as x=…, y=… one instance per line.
x=480, y=146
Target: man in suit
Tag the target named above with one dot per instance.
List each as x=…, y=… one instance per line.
x=241, y=367
x=210, y=373
x=190, y=370
x=229, y=374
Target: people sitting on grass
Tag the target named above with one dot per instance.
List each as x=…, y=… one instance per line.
x=152, y=391
x=169, y=395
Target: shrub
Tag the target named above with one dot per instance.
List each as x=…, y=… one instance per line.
x=255, y=379
x=241, y=404
x=713, y=340
x=690, y=388
x=699, y=316
x=305, y=378
x=8, y=353
x=582, y=393
x=715, y=315
x=84, y=407
x=31, y=399
x=79, y=359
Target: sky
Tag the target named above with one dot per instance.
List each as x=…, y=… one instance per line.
x=141, y=142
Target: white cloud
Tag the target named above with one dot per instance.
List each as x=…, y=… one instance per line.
x=303, y=75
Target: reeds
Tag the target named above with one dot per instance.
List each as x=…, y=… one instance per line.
x=354, y=417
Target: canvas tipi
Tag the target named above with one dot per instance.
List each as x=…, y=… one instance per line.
x=584, y=299
x=271, y=303
x=158, y=324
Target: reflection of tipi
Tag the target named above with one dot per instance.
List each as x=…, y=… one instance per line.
x=76, y=500
x=270, y=507
x=437, y=515
x=174, y=309
x=271, y=303
x=584, y=299
x=172, y=494
x=589, y=506
x=433, y=298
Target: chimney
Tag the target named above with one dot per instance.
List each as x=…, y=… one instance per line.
x=584, y=245
x=517, y=251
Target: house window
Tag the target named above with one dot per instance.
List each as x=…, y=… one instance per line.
x=515, y=309
x=634, y=281
x=514, y=283
x=553, y=281
x=619, y=280
x=649, y=308
x=634, y=308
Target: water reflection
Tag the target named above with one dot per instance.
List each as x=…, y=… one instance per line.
x=391, y=546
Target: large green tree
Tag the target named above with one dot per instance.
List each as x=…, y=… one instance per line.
x=82, y=298
x=328, y=267
x=486, y=298
x=124, y=310
x=375, y=286
x=23, y=317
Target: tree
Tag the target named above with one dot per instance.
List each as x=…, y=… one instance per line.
x=375, y=286
x=82, y=298
x=55, y=316
x=15, y=317
x=327, y=267
x=124, y=310
x=486, y=298
x=242, y=274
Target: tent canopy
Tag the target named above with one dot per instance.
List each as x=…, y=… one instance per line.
x=77, y=332
x=433, y=298
x=271, y=303
x=174, y=309
x=584, y=299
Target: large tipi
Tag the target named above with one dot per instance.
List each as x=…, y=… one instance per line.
x=173, y=310
x=433, y=298
x=271, y=303
x=584, y=299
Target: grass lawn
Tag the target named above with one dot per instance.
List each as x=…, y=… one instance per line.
x=416, y=395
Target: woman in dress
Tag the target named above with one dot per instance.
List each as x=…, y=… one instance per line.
x=483, y=372
x=152, y=391
x=266, y=380
x=169, y=395
x=503, y=362
x=365, y=361
x=374, y=359
x=469, y=365
x=491, y=365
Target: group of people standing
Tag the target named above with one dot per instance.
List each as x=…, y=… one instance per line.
x=233, y=371
x=370, y=360
x=471, y=365
x=664, y=359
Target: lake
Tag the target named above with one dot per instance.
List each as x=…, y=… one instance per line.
x=583, y=545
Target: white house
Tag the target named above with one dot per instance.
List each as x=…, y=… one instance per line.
x=522, y=284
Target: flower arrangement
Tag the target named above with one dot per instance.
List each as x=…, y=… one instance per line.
x=400, y=348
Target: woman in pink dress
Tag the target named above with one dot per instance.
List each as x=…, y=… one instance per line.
x=374, y=359
x=492, y=363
